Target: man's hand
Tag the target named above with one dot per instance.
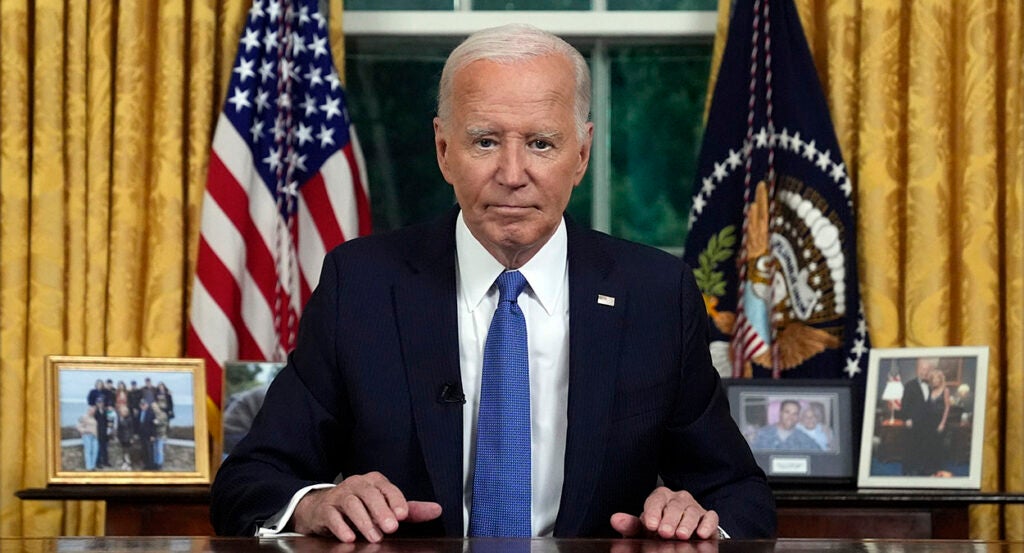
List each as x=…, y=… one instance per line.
x=669, y=515
x=366, y=504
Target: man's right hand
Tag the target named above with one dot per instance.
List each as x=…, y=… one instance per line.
x=366, y=504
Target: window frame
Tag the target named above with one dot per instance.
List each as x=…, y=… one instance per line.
x=597, y=28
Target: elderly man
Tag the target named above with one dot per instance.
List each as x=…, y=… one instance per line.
x=500, y=371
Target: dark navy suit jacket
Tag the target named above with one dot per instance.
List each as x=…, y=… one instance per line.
x=365, y=390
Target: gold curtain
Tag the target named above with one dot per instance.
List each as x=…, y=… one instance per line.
x=106, y=114
x=926, y=98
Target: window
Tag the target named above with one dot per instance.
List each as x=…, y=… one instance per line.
x=649, y=68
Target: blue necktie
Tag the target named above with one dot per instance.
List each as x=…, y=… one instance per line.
x=501, y=479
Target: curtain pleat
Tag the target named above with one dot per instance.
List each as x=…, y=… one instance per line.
x=106, y=118
x=15, y=158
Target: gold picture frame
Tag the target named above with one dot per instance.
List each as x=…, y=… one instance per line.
x=102, y=430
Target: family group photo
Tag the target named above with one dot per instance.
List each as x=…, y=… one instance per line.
x=126, y=421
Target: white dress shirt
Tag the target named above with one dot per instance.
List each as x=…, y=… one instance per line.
x=545, y=305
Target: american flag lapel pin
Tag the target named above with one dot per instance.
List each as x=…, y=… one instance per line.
x=606, y=300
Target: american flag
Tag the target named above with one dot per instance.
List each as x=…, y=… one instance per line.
x=286, y=183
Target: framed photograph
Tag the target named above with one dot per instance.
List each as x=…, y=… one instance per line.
x=245, y=385
x=924, y=418
x=126, y=420
x=798, y=430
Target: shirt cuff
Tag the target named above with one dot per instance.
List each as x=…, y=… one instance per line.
x=273, y=526
x=722, y=534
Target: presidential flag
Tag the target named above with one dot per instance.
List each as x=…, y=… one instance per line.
x=286, y=183
x=772, y=233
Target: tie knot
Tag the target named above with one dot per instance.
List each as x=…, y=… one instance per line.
x=510, y=285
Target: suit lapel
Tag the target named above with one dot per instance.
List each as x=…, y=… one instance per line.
x=425, y=305
x=595, y=333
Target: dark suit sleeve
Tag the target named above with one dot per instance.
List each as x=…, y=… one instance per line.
x=705, y=453
x=287, y=448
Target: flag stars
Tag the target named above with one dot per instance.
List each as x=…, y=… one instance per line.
x=304, y=134
x=810, y=150
x=266, y=71
x=761, y=138
x=298, y=44
x=333, y=79
x=273, y=160
x=785, y=139
x=319, y=47
x=251, y=40
x=838, y=172
x=859, y=348
x=270, y=41
x=274, y=10
x=279, y=130
x=256, y=11
x=325, y=136
x=331, y=108
x=852, y=368
x=309, y=105
x=286, y=67
x=262, y=97
x=708, y=186
x=244, y=70
x=824, y=160
x=297, y=161
x=256, y=130
x=796, y=144
x=720, y=172
x=304, y=15
x=314, y=76
x=320, y=21
x=284, y=101
x=734, y=160
x=290, y=189
x=699, y=203
x=847, y=187
x=240, y=99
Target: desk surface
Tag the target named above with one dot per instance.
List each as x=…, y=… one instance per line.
x=319, y=545
x=784, y=497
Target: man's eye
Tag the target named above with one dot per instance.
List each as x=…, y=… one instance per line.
x=542, y=144
x=485, y=143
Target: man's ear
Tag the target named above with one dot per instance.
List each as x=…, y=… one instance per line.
x=588, y=139
x=441, y=148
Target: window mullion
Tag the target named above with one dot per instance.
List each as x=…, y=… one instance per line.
x=600, y=152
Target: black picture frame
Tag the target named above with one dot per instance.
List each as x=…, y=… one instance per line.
x=825, y=456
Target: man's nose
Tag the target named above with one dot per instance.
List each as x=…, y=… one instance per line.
x=512, y=166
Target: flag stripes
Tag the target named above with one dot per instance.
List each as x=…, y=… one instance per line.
x=286, y=183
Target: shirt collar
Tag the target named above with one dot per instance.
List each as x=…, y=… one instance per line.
x=545, y=272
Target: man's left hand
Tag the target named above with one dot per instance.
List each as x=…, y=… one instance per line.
x=669, y=515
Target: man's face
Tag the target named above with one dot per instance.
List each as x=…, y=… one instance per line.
x=809, y=419
x=511, y=152
x=925, y=366
x=788, y=415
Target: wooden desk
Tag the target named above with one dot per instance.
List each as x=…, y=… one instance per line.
x=905, y=514
x=141, y=510
x=543, y=545
x=184, y=510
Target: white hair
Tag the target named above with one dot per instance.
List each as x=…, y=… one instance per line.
x=509, y=44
